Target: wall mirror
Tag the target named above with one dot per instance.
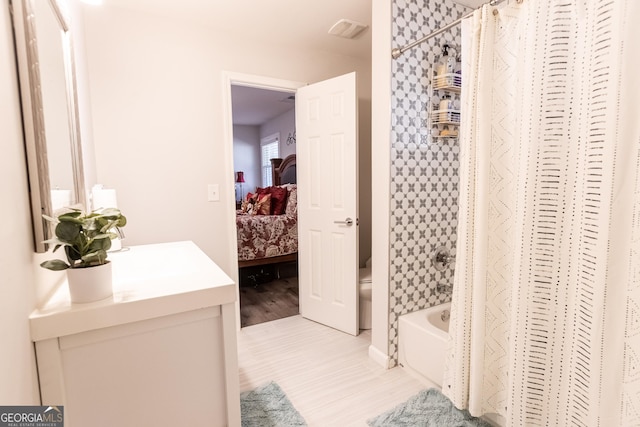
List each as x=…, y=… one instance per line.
x=46, y=72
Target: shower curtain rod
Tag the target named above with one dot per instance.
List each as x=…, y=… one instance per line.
x=398, y=51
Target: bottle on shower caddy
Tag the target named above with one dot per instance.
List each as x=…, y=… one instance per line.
x=446, y=104
x=446, y=67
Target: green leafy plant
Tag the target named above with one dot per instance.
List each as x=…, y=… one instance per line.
x=86, y=237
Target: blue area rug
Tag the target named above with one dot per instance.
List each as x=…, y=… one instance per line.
x=429, y=408
x=268, y=406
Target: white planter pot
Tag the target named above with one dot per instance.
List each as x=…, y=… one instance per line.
x=90, y=284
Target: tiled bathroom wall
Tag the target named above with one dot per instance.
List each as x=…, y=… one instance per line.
x=424, y=171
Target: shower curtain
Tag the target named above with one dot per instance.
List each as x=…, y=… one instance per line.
x=545, y=326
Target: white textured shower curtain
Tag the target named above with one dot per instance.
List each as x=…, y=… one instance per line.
x=545, y=326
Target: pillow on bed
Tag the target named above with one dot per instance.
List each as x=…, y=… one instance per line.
x=263, y=205
x=278, y=198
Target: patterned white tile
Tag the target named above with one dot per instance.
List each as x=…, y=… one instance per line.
x=424, y=174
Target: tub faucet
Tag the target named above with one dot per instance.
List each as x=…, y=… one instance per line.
x=442, y=258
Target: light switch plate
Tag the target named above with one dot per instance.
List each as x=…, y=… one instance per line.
x=213, y=192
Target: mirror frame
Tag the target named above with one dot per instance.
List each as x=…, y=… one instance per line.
x=33, y=114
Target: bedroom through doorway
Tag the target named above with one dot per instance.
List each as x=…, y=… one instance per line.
x=264, y=150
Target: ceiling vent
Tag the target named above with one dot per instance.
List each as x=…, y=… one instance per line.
x=347, y=29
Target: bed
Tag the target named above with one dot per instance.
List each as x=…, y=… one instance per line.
x=273, y=238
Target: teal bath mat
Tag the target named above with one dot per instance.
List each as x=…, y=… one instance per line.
x=268, y=406
x=429, y=408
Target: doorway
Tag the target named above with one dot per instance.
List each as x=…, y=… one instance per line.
x=263, y=127
x=329, y=262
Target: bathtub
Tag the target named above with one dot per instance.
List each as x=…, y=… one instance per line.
x=422, y=343
x=422, y=346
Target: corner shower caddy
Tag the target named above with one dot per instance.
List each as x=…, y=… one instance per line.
x=443, y=123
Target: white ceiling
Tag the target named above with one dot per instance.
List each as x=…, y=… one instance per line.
x=283, y=22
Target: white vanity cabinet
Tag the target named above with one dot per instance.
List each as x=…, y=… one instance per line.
x=161, y=352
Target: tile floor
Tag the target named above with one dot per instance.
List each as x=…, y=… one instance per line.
x=327, y=374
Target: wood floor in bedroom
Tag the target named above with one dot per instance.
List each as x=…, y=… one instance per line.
x=268, y=293
x=327, y=374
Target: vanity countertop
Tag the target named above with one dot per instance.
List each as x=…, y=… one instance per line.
x=149, y=281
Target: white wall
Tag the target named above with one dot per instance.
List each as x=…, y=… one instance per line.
x=156, y=92
x=284, y=124
x=380, y=161
x=246, y=155
x=18, y=382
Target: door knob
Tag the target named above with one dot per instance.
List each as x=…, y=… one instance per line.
x=348, y=222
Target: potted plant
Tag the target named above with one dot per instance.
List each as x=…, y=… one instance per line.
x=86, y=238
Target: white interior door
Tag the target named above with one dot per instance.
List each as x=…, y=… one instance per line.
x=327, y=145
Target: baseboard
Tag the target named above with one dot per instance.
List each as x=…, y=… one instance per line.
x=379, y=357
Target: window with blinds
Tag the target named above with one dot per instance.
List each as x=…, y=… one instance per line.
x=270, y=149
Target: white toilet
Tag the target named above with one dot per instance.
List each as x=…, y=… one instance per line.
x=364, y=288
